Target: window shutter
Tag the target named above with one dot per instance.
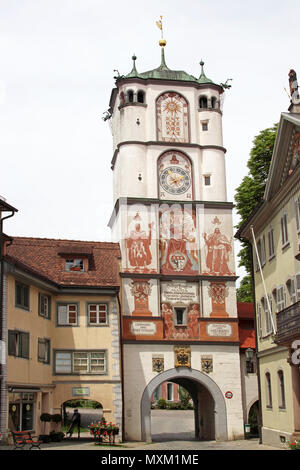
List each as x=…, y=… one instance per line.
x=63, y=315
x=24, y=345
x=259, y=328
x=11, y=343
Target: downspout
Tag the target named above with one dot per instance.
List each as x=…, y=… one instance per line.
x=256, y=333
x=3, y=371
x=121, y=363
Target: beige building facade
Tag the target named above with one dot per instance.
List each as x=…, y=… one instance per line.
x=62, y=323
x=273, y=229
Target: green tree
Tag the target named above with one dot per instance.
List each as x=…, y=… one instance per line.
x=244, y=292
x=250, y=193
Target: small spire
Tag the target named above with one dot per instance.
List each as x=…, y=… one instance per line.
x=162, y=42
x=203, y=78
x=134, y=72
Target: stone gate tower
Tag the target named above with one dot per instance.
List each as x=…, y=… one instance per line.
x=174, y=226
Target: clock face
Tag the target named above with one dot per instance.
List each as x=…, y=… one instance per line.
x=175, y=180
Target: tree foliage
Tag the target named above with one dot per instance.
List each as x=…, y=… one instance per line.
x=250, y=192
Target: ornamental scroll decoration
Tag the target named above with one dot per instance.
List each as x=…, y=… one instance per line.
x=182, y=356
x=218, y=292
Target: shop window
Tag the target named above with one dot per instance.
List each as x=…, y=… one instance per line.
x=22, y=296
x=21, y=411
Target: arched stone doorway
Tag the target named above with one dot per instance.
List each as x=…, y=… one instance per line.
x=203, y=390
x=90, y=411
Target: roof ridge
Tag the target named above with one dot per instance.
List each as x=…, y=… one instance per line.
x=19, y=238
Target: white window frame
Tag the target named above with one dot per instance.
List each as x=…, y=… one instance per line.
x=72, y=264
x=44, y=305
x=67, y=312
x=284, y=229
x=271, y=244
x=280, y=298
x=259, y=325
x=98, y=312
x=44, y=358
x=291, y=288
x=84, y=358
x=170, y=387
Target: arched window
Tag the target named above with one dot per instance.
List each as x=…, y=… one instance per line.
x=203, y=102
x=281, y=390
x=130, y=96
x=268, y=390
x=141, y=97
x=214, y=102
x=172, y=117
x=122, y=98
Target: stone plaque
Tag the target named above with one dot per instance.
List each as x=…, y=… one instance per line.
x=80, y=391
x=219, y=329
x=143, y=328
x=183, y=292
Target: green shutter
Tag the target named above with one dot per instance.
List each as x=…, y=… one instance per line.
x=11, y=343
x=24, y=345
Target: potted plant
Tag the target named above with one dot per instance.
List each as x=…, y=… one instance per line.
x=56, y=436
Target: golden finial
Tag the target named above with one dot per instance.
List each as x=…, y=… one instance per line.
x=162, y=42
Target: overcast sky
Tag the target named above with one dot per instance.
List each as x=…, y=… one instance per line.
x=57, y=65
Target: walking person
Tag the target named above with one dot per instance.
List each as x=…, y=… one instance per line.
x=76, y=419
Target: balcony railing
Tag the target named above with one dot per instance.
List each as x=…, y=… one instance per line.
x=288, y=324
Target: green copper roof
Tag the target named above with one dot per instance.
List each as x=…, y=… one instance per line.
x=163, y=72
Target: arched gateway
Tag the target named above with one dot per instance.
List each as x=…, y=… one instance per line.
x=195, y=382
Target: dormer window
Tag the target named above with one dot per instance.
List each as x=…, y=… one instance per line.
x=75, y=264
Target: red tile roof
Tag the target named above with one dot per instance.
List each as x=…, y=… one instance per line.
x=44, y=257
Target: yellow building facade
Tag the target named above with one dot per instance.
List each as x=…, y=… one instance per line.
x=62, y=330
x=273, y=229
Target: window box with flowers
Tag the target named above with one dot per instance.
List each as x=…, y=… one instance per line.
x=104, y=432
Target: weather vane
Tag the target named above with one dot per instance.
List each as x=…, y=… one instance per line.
x=162, y=41
x=160, y=26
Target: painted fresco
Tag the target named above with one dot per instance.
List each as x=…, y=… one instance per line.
x=140, y=244
x=172, y=118
x=218, y=252
x=178, y=241
x=175, y=176
x=180, y=332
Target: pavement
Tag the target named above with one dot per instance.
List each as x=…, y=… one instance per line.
x=164, y=424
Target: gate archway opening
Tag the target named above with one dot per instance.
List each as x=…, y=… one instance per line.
x=90, y=411
x=210, y=421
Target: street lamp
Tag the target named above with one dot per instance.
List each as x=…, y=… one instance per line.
x=249, y=353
